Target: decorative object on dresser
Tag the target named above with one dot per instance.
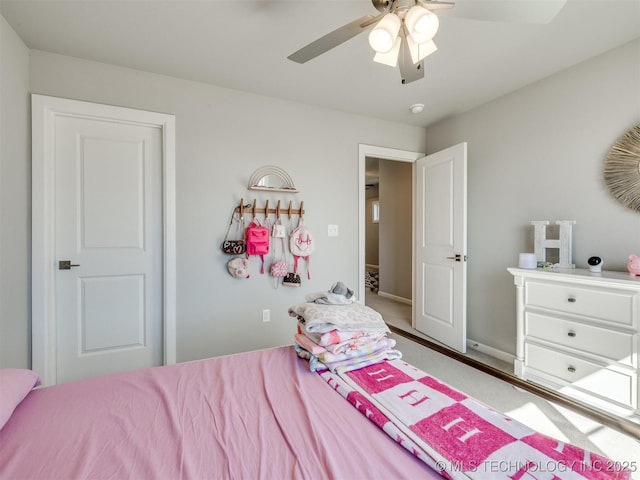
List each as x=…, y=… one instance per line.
x=577, y=332
x=634, y=265
x=527, y=260
x=622, y=169
x=541, y=243
x=595, y=264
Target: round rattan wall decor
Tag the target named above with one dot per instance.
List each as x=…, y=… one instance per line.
x=622, y=169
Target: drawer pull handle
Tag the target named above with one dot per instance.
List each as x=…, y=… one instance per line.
x=571, y=300
x=571, y=369
x=571, y=334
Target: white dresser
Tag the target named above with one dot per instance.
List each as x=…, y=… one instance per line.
x=577, y=332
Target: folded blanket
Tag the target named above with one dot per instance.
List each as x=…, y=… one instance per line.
x=315, y=365
x=362, y=350
x=308, y=344
x=327, y=357
x=459, y=436
x=364, y=361
x=324, y=318
x=339, y=341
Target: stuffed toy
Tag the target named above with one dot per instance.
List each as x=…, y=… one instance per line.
x=338, y=294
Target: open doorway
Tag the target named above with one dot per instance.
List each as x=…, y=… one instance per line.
x=385, y=247
x=395, y=313
x=388, y=232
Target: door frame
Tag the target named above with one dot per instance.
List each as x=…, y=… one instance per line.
x=44, y=110
x=383, y=153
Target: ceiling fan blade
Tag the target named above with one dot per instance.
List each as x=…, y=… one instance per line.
x=333, y=39
x=409, y=71
x=520, y=11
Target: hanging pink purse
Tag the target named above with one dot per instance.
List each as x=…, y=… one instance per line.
x=278, y=268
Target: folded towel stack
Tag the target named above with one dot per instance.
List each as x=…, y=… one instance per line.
x=337, y=334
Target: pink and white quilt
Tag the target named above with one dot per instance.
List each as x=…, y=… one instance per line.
x=459, y=436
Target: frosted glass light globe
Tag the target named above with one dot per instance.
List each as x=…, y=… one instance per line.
x=421, y=23
x=384, y=34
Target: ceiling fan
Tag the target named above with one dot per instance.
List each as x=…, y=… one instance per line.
x=402, y=33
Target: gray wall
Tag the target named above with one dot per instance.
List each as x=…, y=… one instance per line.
x=222, y=136
x=534, y=154
x=537, y=154
x=395, y=228
x=15, y=200
x=371, y=233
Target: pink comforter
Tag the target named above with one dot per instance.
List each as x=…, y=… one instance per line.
x=248, y=416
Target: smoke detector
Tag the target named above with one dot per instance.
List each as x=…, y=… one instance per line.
x=416, y=108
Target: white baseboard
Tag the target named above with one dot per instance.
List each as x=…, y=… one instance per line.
x=396, y=298
x=492, y=352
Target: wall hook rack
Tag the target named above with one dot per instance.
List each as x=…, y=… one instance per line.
x=253, y=208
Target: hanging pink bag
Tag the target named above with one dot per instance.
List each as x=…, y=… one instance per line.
x=257, y=238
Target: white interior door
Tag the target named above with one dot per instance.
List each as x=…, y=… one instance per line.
x=109, y=223
x=441, y=246
x=106, y=310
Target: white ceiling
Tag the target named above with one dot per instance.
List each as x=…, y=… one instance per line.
x=243, y=45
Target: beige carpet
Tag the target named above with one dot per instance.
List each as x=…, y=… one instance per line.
x=399, y=315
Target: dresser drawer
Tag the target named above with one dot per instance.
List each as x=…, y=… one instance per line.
x=611, y=305
x=587, y=376
x=611, y=344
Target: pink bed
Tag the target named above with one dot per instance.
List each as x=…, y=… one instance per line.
x=255, y=415
x=265, y=415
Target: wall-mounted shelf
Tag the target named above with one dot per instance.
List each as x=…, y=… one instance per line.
x=272, y=189
x=272, y=179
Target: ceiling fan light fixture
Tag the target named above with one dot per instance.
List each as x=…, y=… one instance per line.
x=383, y=36
x=391, y=57
x=420, y=51
x=421, y=23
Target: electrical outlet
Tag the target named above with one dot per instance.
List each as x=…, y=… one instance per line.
x=332, y=230
x=266, y=315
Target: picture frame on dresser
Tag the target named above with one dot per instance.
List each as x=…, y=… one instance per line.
x=577, y=332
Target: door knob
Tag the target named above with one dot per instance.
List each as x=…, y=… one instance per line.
x=458, y=257
x=66, y=265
